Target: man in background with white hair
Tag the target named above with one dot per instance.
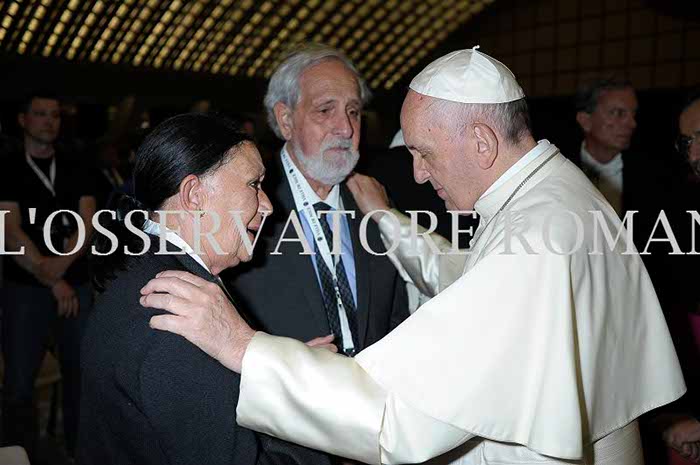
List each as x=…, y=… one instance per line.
x=545, y=350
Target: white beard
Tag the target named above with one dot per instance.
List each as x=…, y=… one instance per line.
x=329, y=168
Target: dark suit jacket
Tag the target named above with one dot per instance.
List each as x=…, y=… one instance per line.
x=282, y=293
x=151, y=397
x=643, y=179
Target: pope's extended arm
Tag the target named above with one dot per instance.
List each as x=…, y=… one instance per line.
x=426, y=260
x=328, y=402
x=302, y=394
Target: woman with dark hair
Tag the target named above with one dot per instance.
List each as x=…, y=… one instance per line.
x=151, y=397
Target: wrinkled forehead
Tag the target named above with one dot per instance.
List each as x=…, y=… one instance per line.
x=246, y=155
x=422, y=117
x=622, y=97
x=44, y=104
x=412, y=113
x=330, y=78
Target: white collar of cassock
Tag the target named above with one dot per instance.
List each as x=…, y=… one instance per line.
x=611, y=168
x=494, y=197
x=333, y=199
x=153, y=228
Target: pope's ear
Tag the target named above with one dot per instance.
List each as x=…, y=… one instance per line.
x=283, y=116
x=584, y=120
x=486, y=145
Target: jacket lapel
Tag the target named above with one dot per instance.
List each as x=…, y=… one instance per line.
x=304, y=274
x=362, y=266
x=191, y=265
x=195, y=268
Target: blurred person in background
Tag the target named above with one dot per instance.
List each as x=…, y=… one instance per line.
x=44, y=294
x=108, y=176
x=606, y=112
x=676, y=426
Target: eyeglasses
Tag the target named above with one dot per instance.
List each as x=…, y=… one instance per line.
x=683, y=143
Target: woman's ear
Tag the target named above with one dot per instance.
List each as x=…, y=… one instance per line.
x=486, y=145
x=192, y=194
x=283, y=115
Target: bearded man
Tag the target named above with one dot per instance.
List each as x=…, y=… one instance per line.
x=314, y=102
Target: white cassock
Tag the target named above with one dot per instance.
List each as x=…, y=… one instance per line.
x=531, y=356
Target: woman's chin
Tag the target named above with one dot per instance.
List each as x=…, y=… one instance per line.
x=243, y=259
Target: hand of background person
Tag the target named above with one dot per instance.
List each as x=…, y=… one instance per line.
x=324, y=342
x=369, y=194
x=201, y=313
x=51, y=269
x=682, y=433
x=68, y=304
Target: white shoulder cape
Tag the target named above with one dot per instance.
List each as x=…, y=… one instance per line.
x=552, y=351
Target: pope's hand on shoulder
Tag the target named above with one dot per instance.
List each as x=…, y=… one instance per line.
x=369, y=194
x=200, y=312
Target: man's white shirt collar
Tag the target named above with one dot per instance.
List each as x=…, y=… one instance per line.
x=333, y=200
x=153, y=228
x=608, y=169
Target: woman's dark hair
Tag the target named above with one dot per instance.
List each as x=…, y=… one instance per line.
x=191, y=143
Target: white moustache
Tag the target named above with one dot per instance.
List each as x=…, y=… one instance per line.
x=344, y=145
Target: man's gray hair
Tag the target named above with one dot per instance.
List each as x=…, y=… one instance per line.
x=284, y=83
x=511, y=119
x=587, y=95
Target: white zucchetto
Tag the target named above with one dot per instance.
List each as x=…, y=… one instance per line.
x=468, y=76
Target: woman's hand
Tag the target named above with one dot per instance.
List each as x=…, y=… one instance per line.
x=324, y=342
x=201, y=313
x=52, y=269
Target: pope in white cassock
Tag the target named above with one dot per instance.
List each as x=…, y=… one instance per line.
x=545, y=350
